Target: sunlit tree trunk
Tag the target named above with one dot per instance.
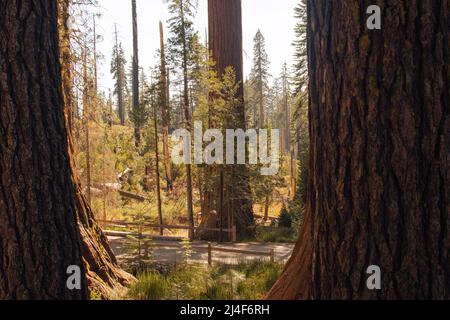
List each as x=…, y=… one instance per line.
x=188, y=120
x=266, y=207
x=66, y=59
x=165, y=109
x=87, y=98
x=135, y=80
x=225, y=44
x=158, y=177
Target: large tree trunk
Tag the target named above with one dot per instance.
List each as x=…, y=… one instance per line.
x=380, y=143
x=38, y=233
x=225, y=44
x=45, y=223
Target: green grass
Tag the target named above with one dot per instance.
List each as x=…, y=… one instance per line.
x=280, y=234
x=151, y=286
x=274, y=235
x=245, y=281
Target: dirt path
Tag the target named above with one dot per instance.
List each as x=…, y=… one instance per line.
x=173, y=252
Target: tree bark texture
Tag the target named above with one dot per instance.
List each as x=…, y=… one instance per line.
x=380, y=154
x=45, y=223
x=39, y=239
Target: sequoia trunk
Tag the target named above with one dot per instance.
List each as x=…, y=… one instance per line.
x=225, y=44
x=380, y=146
x=39, y=239
x=45, y=224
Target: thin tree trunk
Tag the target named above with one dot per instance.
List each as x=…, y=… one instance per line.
x=380, y=137
x=293, y=173
x=266, y=207
x=221, y=205
x=95, y=60
x=66, y=60
x=136, y=103
x=105, y=189
x=158, y=178
x=188, y=125
x=287, y=111
x=262, y=120
x=86, y=112
x=165, y=110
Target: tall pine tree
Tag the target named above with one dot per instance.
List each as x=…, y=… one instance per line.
x=300, y=48
x=260, y=77
x=118, y=64
x=181, y=45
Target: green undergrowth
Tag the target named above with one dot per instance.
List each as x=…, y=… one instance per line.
x=245, y=281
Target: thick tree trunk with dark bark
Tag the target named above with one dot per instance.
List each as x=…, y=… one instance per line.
x=39, y=239
x=45, y=223
x=380, y=146
x=225, y=44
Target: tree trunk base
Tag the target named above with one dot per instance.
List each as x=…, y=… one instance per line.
x=104, y=276
x=295, y=282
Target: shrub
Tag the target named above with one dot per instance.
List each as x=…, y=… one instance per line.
x=285, y=219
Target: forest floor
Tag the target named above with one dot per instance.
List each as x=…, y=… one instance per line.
x=170, y=252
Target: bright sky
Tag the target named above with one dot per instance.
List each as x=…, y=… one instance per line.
x=274, y=18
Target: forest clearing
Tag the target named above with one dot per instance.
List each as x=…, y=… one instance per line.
x=224, y=150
